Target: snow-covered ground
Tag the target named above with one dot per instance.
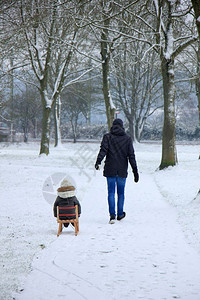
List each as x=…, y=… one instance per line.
x=154, y=253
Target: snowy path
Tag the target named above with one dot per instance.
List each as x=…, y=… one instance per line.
x=144, y=256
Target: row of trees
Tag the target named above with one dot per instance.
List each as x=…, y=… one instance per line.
x=196, y=7
x=137, y=48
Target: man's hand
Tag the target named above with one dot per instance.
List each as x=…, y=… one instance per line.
x=136, y=175
x=97, y=166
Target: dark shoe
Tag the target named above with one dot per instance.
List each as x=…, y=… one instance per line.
x=121, y=217
x=112, y=219
x=66, y=224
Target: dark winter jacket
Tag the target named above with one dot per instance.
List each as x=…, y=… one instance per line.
x=66, y=202
x=118, y=149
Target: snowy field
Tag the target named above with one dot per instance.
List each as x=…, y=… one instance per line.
x=154, y=253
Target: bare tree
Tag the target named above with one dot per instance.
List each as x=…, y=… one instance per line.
x=27, y=112
x=40, y=29
x=106, y=49
x=196, y=7
x=169, y=45
x=160, y=19
x=9, y=52
x=137, y=85
x=103, y=26
x=74, y=105
x=51, y=32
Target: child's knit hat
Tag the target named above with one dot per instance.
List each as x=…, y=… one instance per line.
x=66, y=189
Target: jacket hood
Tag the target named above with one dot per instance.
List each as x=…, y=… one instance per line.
x=118, y=122
x=117, y=130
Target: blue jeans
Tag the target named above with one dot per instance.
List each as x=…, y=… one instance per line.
x=112, y=182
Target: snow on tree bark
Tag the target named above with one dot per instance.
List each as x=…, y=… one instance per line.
x=43, y=58
x=196, y=7
x=46, y=124
x=169, y=156
x=57, y=116
x=105, y=56
x=168, y=53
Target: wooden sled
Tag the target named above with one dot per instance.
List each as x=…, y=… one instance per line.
x=67, y=214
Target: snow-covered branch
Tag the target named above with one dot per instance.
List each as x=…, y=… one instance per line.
x=112, y=16
x=3, y=118
x=77, y=79
x=183, y=46
x=31, y=82
x=124, y=35
x=15, y=67
x=186, y=79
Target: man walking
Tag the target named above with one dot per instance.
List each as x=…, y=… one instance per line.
x=118, y=149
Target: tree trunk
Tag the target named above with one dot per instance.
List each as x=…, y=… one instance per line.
x=196, y=7
x=131, y=130
x=131, y=126
x=110, y=109
x=12, y=97
x=46, y=124
x=169, y=155
x=57, y=115
x=105, y=55
x=74, y=130
x=198, y=79
x=26, y=127
x=139, y=130
x=35, y=128
x=25, y=135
